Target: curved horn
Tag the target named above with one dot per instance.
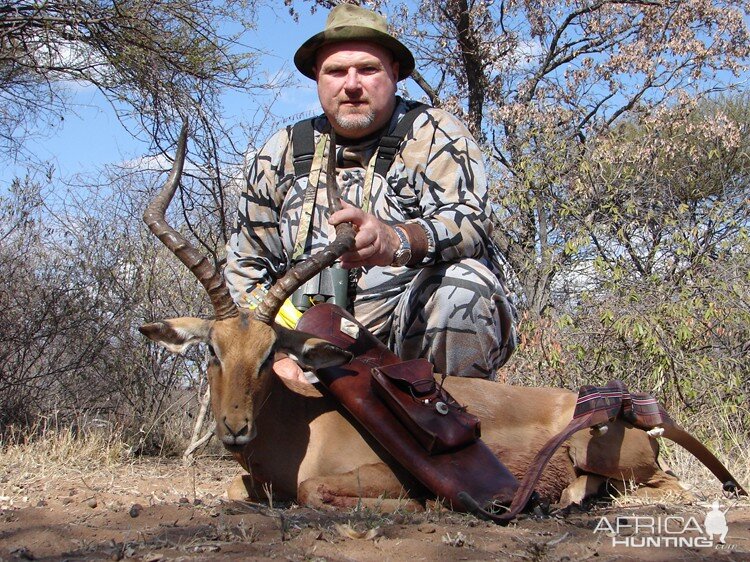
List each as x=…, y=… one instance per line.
x=309, y=268
x=196, y=262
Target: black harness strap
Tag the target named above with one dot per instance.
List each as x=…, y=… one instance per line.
x=303, y=146
x=390, y=144
x=303, y=142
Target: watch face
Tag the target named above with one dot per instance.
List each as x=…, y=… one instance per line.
x=403, y=253
x=401, y=258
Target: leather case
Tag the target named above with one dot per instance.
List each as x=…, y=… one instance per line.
x=428, y=411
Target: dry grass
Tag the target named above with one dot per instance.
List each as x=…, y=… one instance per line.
x=49, y=454
x=48, y=448
x=97, y=467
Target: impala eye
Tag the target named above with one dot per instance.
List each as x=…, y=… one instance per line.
x=268, y=360
x=211, y=350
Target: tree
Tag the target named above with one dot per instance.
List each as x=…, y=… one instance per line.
x=539, y=81
x=658, y=292
x=81, y=271
x=665, y=193
x=157, y=63
x=153, y=60
x=85, y=275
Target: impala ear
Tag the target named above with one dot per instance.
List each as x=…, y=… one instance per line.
x=309, y=351
x=318, y=354
x=178, y=334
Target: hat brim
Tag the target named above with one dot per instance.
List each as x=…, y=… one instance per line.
x=304, y=58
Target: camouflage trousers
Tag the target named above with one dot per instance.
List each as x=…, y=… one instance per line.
x=457, y=316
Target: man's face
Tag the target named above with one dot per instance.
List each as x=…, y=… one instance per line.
x=356, y=86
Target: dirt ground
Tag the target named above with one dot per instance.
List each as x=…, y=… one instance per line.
x=157, y=510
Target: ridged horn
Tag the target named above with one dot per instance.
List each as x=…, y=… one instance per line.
x=196, y=262
x=309, y=268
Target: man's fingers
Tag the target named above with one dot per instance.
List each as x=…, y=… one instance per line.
x=365, y=239
x=348, y=213
x=287, y=368
x=374, y=243
x=373, y=253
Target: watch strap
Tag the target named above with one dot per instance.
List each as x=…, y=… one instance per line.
x=402, y=256
x=418, y=240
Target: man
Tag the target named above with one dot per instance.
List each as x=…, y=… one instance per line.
x=424, y=273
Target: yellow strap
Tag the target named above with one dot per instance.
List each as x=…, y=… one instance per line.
x=311, y=194
x=369, y=179
x=288, y=315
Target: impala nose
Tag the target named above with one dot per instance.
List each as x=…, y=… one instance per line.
x=237, y=434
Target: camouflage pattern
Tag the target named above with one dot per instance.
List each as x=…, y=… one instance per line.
x=444, y=308
x=449, y=315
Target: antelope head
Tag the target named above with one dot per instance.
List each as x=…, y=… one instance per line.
x=241, y=343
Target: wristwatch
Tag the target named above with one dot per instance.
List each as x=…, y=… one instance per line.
x=402, y=255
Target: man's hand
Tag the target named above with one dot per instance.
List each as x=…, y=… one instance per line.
x=375, y=243
x=287, y=368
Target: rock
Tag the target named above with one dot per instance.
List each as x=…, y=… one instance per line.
x=23, y=553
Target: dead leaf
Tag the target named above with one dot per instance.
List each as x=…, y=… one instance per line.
x=347, y=531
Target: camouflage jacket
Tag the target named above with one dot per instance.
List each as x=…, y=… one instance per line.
x=437, y=181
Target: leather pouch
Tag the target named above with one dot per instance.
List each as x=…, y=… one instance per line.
x=431, y=415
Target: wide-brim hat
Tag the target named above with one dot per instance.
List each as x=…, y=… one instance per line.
x=347, y=22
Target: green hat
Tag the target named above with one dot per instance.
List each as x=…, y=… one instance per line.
x=348, y=22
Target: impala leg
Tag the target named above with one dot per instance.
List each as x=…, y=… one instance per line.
x=242, y=488
x=660, y=486
x=584, y=486
x=663, y=486
x=372, y=486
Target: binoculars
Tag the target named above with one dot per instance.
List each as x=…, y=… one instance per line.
x=330, y=285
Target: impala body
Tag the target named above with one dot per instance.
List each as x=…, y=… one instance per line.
x=294, y=439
